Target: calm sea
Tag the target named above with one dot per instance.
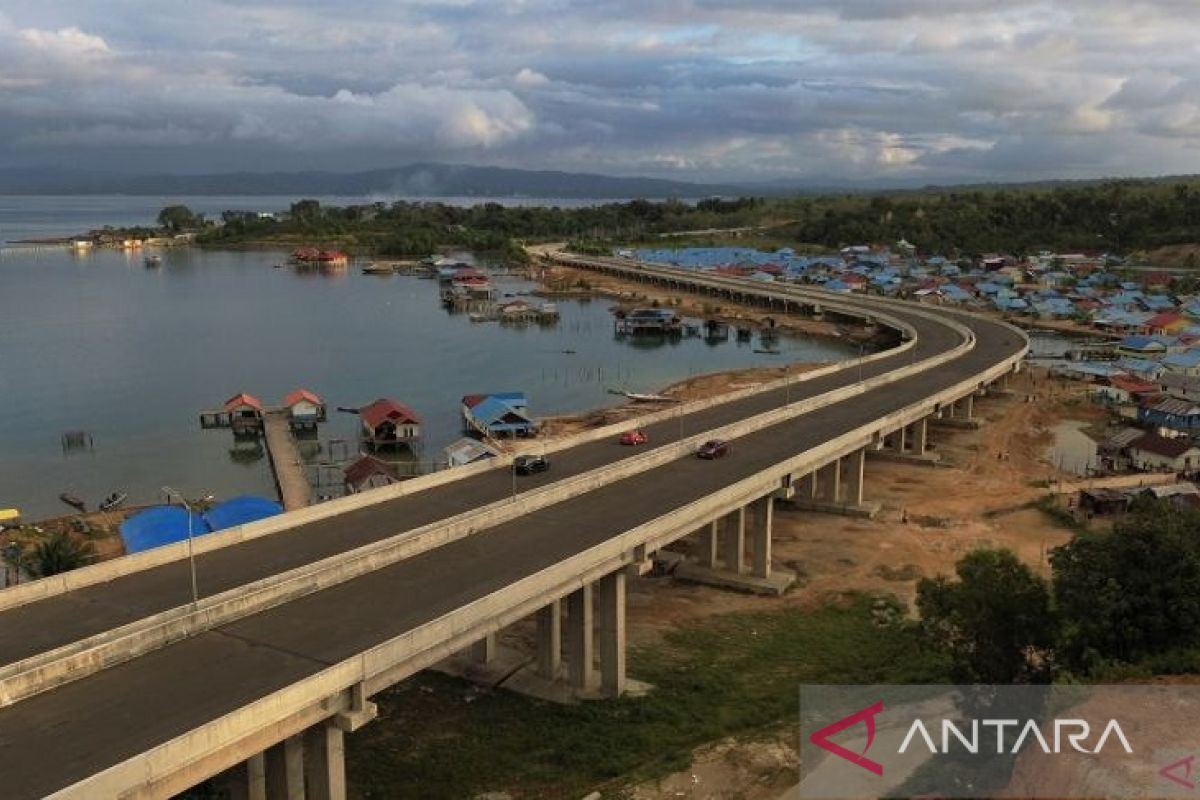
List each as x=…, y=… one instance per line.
x=102, y=344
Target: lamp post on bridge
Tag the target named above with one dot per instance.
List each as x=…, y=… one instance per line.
x=169, y=492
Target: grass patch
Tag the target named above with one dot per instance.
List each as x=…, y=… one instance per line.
x=734, y=674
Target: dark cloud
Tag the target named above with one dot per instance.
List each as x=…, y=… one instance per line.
x=928, y=90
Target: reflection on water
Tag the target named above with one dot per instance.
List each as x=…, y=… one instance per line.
x=1073, y=450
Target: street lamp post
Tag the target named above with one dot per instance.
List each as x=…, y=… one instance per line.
x=12, y=557
x=169, y=492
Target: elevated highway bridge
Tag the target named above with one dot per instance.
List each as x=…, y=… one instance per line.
x=116, y=682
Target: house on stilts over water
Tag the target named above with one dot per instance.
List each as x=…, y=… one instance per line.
x=388, y=423
x=498, y=414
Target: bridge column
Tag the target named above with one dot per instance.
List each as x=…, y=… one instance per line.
x=707, y=539
x=759, y=516
x=246, y=781
x=806, y=487
x=484, y=651
x=829, y=482
x=549, y=640
x=854, y=465
x=610, y=594
x=325, y=762
x=968, y=405
x=579, y=639
x=734, y=525
x=285, y=770
x=920, y=436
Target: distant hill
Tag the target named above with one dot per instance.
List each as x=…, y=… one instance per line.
x=414, y=180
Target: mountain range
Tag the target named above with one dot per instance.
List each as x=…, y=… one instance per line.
x=413, y=180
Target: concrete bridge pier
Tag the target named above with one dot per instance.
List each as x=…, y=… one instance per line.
x=840, y=488
x=580, y=642
x=918, y=436
x=610, y=596
x=308, y=766
x=959, y=414
x=749, y=525
x=549, y=641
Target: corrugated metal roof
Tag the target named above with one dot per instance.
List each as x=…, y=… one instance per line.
x=387, y=409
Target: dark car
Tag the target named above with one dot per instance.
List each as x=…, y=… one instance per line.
x=713, y=448
x=527, y=465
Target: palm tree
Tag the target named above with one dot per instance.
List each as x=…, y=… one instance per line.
x=58, y=553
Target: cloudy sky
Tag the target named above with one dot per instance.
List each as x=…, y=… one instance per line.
x=926, y=90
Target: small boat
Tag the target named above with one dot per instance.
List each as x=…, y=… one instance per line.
x=153, y=260
x=760, y=351
x=113, y=501
x=377, y=269
x=73, y=501
x=649, y=398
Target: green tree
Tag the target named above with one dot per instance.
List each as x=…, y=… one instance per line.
x=1132, y=593
x=995, y=621
x=179, y=218
x=306, y=212
x=58, y=552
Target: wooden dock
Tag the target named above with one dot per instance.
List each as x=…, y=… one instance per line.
x=286, y=464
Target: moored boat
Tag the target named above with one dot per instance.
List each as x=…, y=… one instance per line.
x=73, y=501
x=153, y=260
x=113, y=501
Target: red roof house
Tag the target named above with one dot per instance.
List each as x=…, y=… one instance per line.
x=389, y=422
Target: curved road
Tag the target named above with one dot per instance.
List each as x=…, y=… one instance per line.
x=57, y=738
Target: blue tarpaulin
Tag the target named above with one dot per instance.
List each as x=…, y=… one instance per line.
x=162, y=525
x=240, y=510
x=159, y=525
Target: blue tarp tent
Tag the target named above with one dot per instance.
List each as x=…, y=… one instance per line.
x=240, y=510
x=159, y=525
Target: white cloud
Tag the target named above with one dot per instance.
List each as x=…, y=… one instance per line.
x=927, y=89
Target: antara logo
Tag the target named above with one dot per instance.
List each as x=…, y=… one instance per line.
x=1075, y=731
x=867, y=717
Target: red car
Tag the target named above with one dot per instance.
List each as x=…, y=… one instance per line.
x=714, y=448
x=634, y=437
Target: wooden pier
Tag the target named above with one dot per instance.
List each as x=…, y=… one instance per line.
x=286, y=464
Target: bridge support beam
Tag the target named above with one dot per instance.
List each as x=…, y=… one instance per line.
x=325, y=762
x=285, y=770
x=753, y=522
x=733, y=526
x=246, y=781
x=580, y=643
x=806, y=487
x=610, y=595
x=549, y=640
x=829, y=482
x=708, y=543
x=850, y=480
x=759, y=516
x=484, y=651
x=854, y=465
x=919, y=436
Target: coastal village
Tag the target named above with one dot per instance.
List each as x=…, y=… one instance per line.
x=1135, y=346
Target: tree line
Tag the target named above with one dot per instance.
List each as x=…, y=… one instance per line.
x=1117, y=604
x=1115, y=217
